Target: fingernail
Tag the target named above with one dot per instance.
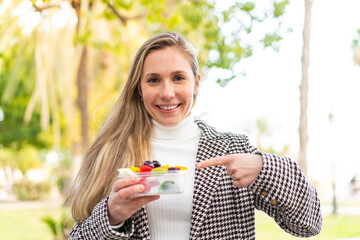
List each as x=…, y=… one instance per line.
x=198, y=165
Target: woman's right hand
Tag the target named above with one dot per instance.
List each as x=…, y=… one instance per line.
x=122, y=203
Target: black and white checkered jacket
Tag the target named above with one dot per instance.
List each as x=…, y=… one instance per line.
x=222, y=211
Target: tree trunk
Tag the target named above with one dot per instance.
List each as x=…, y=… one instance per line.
x=82, y=85
x=305, y=61
x=81, y=8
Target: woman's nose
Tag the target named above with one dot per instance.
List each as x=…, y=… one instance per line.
x=167, y=91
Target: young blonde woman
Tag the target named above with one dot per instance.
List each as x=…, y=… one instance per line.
x=227, y=177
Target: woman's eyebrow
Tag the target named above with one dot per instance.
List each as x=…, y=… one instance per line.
x=151, y=75
x=178, y=72
x=158, y=75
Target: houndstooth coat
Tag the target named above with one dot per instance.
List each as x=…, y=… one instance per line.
x=222, y=211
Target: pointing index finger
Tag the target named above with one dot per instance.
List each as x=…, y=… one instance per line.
x=223, y=160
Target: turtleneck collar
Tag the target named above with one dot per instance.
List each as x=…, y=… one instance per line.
x=184, y=129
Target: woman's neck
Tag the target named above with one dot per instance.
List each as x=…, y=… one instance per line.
x=181, y=130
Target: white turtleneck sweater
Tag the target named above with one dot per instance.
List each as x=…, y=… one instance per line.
x=169, y=217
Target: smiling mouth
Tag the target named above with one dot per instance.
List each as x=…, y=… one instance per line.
x=169, y=107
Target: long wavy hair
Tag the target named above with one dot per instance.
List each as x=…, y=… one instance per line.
x=124, y=138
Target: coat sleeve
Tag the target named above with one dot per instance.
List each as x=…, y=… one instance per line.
x=97, y=226
x=283, y=192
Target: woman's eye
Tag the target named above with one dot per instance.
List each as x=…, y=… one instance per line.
x=153, y=80
x=179, y=78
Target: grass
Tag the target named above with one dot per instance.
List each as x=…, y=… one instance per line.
x=334, y=227
x=27, y=225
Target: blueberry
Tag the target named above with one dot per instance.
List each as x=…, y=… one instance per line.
x=156, y=163
x=149, y=163
x=173, y=169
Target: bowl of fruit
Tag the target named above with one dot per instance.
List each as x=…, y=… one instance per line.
x=157, y=179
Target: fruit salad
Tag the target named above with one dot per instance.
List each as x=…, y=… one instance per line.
x=156, y=178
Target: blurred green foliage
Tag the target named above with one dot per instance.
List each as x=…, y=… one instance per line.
x=356, y=41
x=27, y=190
x=279, y=8
x=25, y=158
x=17, y=80
x=60, y=228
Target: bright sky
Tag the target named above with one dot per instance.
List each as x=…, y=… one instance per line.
x=271, y=90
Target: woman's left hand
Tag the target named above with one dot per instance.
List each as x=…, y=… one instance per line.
x=243, y=168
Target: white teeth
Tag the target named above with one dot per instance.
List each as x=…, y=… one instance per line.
x=168, y=107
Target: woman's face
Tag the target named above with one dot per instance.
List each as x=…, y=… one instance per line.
x=168, y=86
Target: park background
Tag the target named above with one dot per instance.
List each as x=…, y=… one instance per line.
x=251, y=73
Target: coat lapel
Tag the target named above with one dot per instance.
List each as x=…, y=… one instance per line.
x=206, y=182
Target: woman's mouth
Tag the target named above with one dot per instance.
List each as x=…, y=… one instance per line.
x=168, y=108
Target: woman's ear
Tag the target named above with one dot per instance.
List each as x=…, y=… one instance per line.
x=197, y=84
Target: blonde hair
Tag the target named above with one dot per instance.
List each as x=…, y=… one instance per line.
x=124, y=139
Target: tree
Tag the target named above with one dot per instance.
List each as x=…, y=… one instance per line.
x=305, y=62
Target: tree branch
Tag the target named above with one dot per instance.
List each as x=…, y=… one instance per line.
x=122, y=18
x=44, y=7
